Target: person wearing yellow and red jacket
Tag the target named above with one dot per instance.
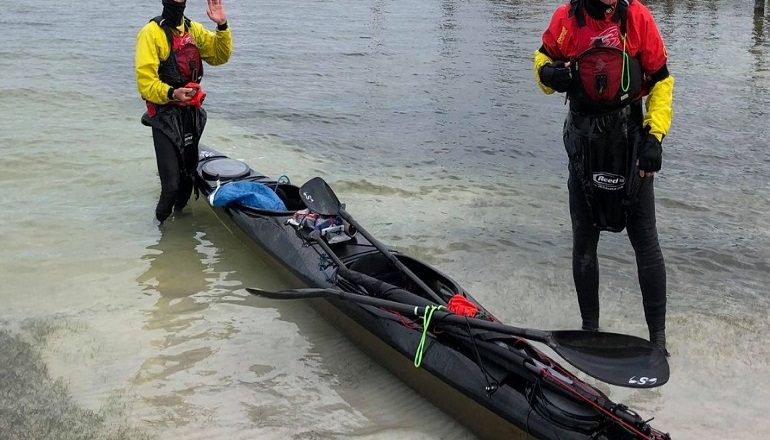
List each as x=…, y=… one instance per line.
x=607, y=56
x=170, y=51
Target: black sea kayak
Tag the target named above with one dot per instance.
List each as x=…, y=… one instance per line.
x=423, y=326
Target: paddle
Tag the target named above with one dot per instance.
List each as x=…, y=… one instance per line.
x=320, y=198
x=614, y=358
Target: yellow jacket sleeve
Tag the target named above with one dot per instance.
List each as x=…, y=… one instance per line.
x=658, y=107
x=541, y=60
x=215, y=47
x=152, y=47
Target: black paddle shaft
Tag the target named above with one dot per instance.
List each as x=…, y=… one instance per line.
x=320, y=198
x=614, y=358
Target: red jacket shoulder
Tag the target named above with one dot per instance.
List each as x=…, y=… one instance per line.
x=558, y=29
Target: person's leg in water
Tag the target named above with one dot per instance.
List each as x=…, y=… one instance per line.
x=184, y=193
x=585, y=263
x=643, y=234
x=169, y=173
x=190, y=160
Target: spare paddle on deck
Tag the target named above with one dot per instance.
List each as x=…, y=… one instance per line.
x=614, y=358
x=319, y=198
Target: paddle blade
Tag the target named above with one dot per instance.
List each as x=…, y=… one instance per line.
x=319, y=197
x=617, y=359
x=292, y=293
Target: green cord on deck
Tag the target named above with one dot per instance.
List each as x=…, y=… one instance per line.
x=426, y=317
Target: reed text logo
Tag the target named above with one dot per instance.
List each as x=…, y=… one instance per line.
x=609, y=181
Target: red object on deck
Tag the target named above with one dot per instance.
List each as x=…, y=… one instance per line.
x=458, y=304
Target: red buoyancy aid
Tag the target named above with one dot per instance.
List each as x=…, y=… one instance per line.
x=183, y=64
x=608, y=77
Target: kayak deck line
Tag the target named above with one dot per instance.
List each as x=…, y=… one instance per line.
x=484, y=373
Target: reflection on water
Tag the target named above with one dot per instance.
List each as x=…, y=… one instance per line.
x=177, y=277
x=176, y=273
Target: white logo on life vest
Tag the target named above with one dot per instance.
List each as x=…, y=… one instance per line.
x=608, y=181
x=643, y=380
x=609, y=37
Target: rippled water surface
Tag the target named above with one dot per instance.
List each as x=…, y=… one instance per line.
x=425, y=119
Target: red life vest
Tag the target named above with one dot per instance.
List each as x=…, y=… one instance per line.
x=608, y=78
x=183, y=64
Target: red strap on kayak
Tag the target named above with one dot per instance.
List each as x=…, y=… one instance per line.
x=459, y=305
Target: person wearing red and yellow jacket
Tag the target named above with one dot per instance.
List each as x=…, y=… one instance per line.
x=609, y=58
x=170, y=51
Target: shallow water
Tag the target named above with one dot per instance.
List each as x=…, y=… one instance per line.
x=425, y=119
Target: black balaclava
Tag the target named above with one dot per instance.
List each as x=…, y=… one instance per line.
x=173, y=11
x=595, y=8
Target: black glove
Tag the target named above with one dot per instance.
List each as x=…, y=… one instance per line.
x=556, y=76
x=650, y=154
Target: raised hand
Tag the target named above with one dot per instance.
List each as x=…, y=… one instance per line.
x=216, y=12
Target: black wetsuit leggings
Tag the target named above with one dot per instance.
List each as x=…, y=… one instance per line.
x=175, y=186
x=643, y=234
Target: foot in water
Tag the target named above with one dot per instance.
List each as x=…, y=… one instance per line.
x=659, y=340
x=158, y=219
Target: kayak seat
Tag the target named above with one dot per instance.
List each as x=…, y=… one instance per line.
x=289, y=194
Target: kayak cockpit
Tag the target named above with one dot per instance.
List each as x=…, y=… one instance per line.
x=217, y=171
x=377, y=266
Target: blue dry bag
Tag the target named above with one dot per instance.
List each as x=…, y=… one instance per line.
x=248, y=193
